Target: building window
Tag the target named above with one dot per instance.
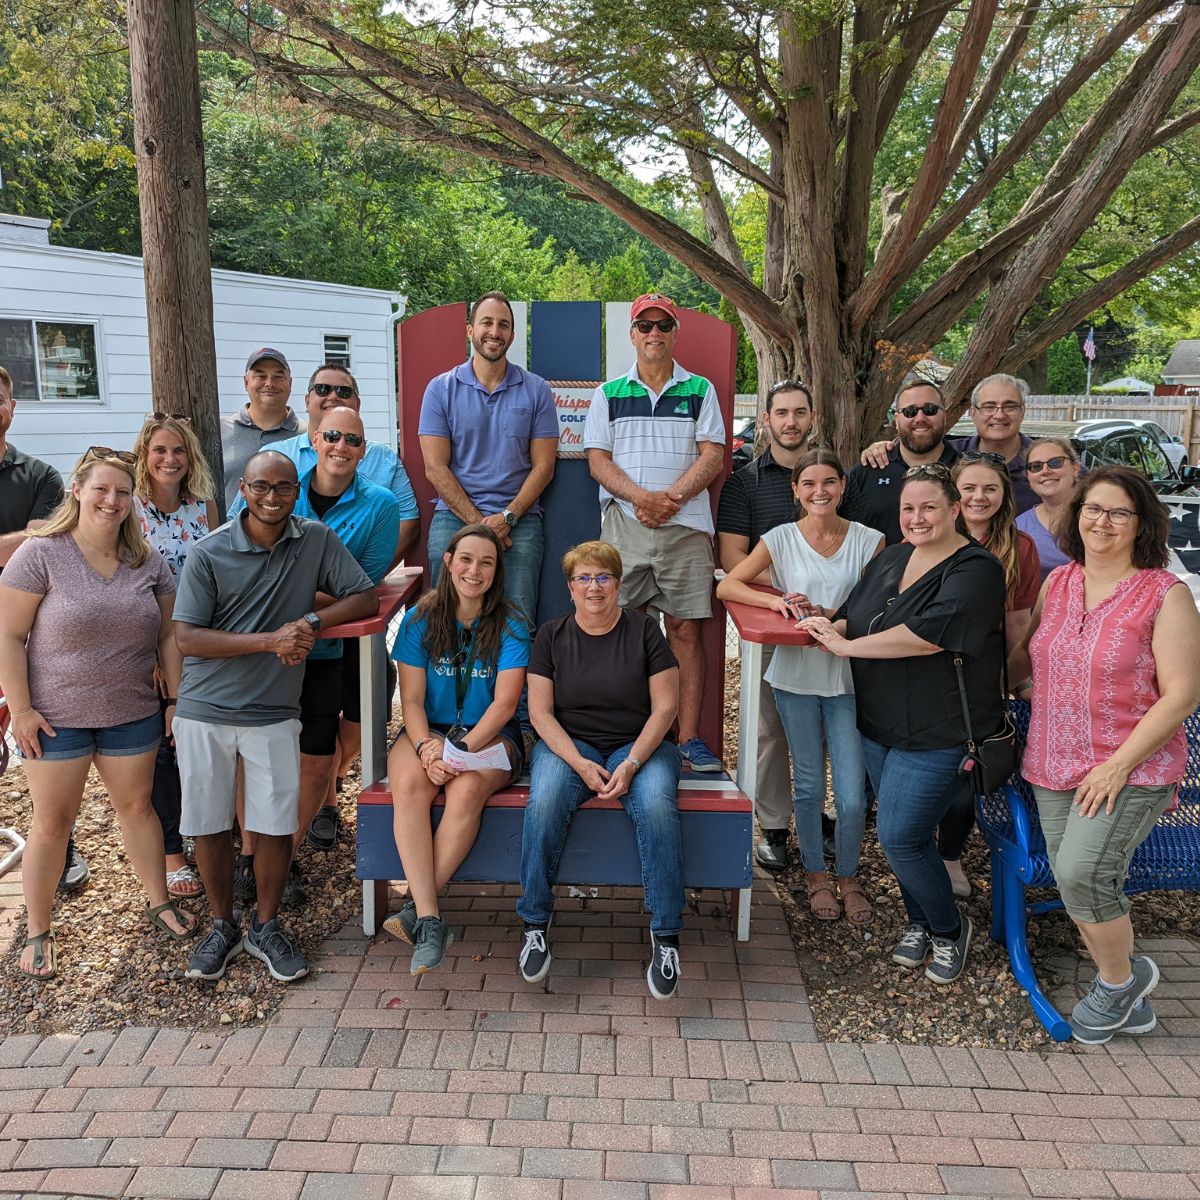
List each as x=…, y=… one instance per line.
x=50, y=360
x=337, y=349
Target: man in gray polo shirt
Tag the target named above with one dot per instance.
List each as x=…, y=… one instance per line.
x=244, y=622
x=265, y=418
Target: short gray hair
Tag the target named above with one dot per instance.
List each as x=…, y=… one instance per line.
x=1018, y=385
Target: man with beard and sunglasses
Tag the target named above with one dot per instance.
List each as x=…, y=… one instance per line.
x=873, y=492
x=489, y=438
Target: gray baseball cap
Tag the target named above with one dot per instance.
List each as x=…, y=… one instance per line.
x=267, y=352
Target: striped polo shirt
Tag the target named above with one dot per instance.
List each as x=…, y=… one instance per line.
x=653, y=438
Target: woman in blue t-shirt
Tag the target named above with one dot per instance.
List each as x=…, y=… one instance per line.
x=462, y=656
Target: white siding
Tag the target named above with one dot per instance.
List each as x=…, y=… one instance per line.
x=248, y=311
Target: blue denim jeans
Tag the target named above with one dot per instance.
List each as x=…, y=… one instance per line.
x=803, y=717
x=556, y=791
x=916, y=788
x=522, y=560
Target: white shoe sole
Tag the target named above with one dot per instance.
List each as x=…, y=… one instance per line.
x=190, y=974
x=1096, y=1035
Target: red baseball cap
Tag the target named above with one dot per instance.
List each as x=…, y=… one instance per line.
x=653, y=300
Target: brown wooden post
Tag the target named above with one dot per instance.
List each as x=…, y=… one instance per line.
x=169, y=144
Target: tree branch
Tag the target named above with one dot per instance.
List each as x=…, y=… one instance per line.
x=935, y=172
x=914, y=41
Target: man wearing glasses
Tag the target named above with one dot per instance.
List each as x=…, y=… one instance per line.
x=489, y=438
x=997, y=408
x=655, y=441
x=873, y=488
x=245, y=622
x=332, y=386
x=263, y=420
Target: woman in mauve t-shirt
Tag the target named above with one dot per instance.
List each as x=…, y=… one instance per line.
x=1114, y=649
x=85, y=612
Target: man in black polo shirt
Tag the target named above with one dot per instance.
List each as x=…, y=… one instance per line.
x=30, y=490
x=753, y=500
x=873, y=493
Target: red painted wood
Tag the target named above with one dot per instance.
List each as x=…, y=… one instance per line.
x=724, y=800
x=764, y=625
x=398, y=589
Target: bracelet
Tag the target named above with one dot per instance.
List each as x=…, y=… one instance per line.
x=170, y=700
x=420, y=743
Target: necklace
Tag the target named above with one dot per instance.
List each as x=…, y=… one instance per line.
x=92, y=545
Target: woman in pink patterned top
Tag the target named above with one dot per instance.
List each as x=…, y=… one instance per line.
x=1114, y=647
x=173, y=490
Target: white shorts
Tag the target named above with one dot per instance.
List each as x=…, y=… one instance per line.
x=208, y=755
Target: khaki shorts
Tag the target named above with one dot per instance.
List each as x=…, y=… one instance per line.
x=669, y=570
x=208, y=756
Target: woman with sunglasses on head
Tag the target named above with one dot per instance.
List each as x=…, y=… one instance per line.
x=1053, y=469
x=462, y=651
x=173, y=492
x=988, y=511
x=85, y=613
x=1114, y=650
x=603, y=694
x=924, y=610
x=815, y=561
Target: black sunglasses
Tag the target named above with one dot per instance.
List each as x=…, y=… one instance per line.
x=343, y=391
x=336, y=435
x=910, y=410
x=987, y=456
x=1036, y=468
x=665, y=325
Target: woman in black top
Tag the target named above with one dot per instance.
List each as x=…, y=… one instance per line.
x=603, y=692
x=921, y=604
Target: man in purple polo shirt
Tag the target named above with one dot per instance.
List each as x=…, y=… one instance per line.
x=489, y=437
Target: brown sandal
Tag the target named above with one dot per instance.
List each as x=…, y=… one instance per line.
x=858, y=907
x=819, y=886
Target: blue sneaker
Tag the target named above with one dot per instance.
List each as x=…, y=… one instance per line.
x=700, y=758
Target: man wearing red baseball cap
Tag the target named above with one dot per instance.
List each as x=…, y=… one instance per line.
x=655, y=441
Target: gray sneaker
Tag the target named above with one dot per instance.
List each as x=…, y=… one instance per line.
x=913, y=947
x=273, y=945
x=950, y=957
x=1141, y=1020
x=1104, y=1011
x=403, y=923
x=431, y=936
x=215, y=949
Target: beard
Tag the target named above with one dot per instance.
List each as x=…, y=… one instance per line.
x=920, y=442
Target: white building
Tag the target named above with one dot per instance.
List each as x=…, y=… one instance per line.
x=73, y=334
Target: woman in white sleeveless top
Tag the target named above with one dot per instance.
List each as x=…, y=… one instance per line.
x=815, y=561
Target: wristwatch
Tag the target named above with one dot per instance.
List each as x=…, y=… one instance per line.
x=637, y=763
x=314, y=621
x=510, y=518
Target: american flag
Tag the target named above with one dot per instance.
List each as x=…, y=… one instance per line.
x=1089, y=346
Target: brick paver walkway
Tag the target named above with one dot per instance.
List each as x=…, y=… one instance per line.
x=472, y=1084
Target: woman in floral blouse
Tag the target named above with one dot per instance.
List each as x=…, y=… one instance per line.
x=173, y=502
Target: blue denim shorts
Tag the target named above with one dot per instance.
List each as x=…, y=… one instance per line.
x=117, y=741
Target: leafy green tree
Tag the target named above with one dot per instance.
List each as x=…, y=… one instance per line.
x=571, y=280
x=1066, y=370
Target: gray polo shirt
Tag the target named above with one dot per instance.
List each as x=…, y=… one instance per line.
x=241, y=438
x=230, y=583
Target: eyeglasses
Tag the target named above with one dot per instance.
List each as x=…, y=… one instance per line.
x=1118, y=516
x=987, y=456
x=1036, y=468
x=336, y=435
x=343, y=391
x=285, y=490
x=165, y=416
x=1007, y=408
x=105, y=452
x=664, y=325
x=927, y=410
x=928, y=470
x=585, y=581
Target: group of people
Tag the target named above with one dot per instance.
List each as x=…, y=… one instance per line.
x=952, y=573
x=932, y=579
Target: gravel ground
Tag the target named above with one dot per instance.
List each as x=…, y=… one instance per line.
x=858, y=994
x=114, y=970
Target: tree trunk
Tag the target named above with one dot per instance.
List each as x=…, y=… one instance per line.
x=170, y=166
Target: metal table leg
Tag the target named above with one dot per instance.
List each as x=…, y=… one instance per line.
x=372, y=686
x=747, y=760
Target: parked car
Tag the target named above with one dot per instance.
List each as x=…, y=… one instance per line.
x=1172, y=446
x=742, y=440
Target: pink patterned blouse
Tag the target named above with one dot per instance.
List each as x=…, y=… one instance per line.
x=1094, y=679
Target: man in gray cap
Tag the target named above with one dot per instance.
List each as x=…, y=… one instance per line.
x=264, y=419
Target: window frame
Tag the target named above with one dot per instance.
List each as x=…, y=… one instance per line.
x=348, y=338
x=96, y=324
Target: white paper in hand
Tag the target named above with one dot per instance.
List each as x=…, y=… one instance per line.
x=494, y=758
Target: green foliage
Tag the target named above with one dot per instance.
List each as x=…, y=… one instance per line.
x=1066, y=368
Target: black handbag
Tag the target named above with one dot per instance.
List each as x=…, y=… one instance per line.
x=991, y=762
